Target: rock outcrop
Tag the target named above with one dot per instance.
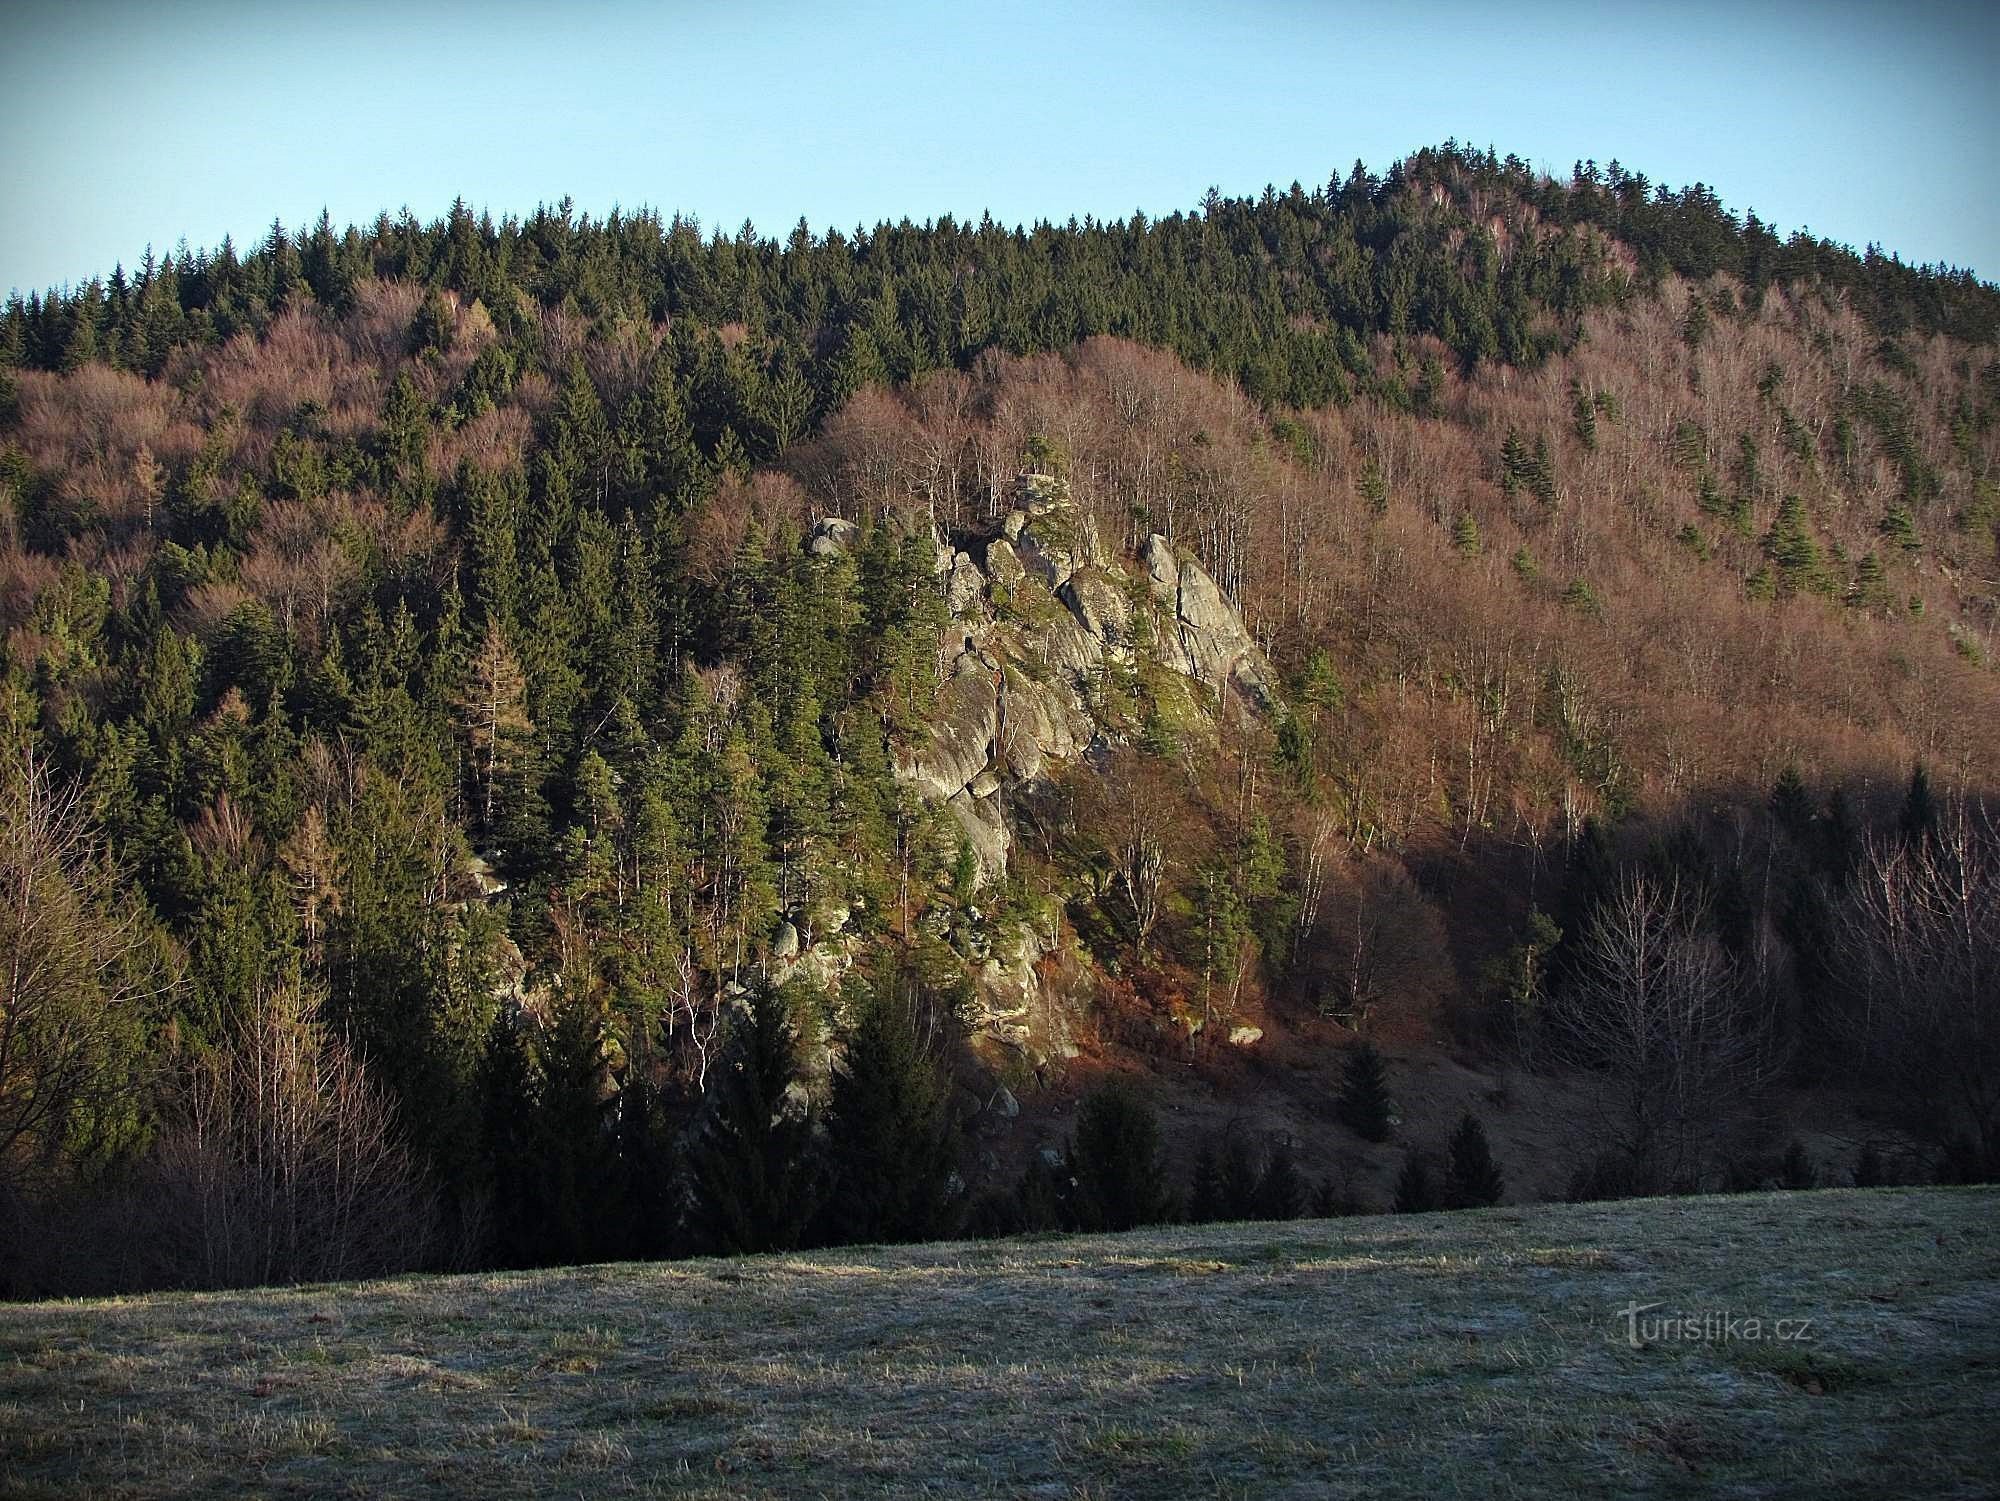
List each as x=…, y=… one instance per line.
x=1042, y=617
x=1206, y=640
x=1044, y=613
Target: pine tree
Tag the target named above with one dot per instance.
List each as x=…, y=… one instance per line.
x=1205, y=1203
x=1415, y=1193
x=1363, y=1101
x=1918, y=820
x=507, y=1091
x=1791, y=804
x=752, y=1185
x=1465, y=534
x=1281, y=1192
x=889, y=1134
x=1116, y=1161
x=1472, y=1179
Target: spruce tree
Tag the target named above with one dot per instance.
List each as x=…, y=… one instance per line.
x=1791, y=803
x=1918, y=820
x=1472, y=1179
x=507, y=1089
x=1205, y=1197
x=648, y=1165
x=1465, y=534
x=889, y=1134
x=576, y=1189
x=1363, y=1102
x=1281, y=1192
x=1239, y=1179
x=1415, y=1193
x=1115, y=1160
x=749, y=1178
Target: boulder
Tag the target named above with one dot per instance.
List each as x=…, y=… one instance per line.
x=1243, y=1037
x=832, y=537
x=1003, y=564
x=786, y=944
x=964, y=588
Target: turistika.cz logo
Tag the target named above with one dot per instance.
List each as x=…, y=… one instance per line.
x=1707, y=1326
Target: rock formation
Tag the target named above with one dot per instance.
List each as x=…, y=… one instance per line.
x=1044, y=611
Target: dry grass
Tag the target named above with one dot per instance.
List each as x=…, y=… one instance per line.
x=1476, y=1354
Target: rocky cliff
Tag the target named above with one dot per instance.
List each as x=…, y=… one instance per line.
x=1046, y=618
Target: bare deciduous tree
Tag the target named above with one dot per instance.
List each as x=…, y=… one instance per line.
x=1918, y=939
x=285, y=1163
x=1656, y=1006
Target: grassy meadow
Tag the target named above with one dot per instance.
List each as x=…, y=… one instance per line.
x=1424, y=1356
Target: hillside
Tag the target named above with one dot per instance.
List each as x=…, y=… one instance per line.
x=1387, y=1357
x=538, y=740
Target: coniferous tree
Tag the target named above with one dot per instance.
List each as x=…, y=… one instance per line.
x=889, y=1134
x=1465, y=535
x=1363, y=1102
x=1917, y=822
x=508, y=1097
x=648, y=1166
x=750, y=1177
x=1239, y=1178
x=1281, y=1191
x=1791, y=803
x=578, y=1213
x=1472, y=1179
x=1415, y=1192
x=1205, y=1202
x=1115, y=1159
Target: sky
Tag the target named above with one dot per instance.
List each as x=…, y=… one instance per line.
x=126, y=124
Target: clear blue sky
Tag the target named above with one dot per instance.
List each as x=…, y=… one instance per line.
x=123, y=124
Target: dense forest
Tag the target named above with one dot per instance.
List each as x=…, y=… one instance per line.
x=549, y=740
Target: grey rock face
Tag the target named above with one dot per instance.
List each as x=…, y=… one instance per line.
x=985, y=830
x=1207, y=640
x=786, y=944
x=962, y=735
x=1003, y=564
x=1101, y=607
x=965, y=586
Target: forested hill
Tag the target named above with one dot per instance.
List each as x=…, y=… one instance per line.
x=490, y=710
x=1279, y=293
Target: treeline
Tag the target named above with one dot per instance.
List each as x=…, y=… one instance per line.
x=1280, y=292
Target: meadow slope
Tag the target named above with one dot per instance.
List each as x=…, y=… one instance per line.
x=1407, y=1356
